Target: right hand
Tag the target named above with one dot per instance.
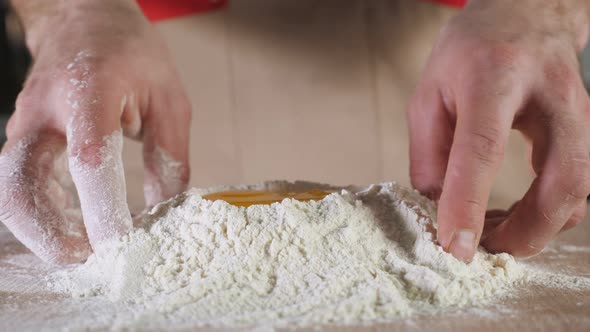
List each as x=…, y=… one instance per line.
x=100, y=70
x=502, y=65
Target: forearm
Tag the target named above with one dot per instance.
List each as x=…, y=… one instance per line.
x=41, y=18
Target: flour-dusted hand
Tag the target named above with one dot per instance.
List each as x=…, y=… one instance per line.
x=499, y=65
x=100, y=71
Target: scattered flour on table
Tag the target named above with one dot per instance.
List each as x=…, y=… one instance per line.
x=358, y=255
x=574, y=249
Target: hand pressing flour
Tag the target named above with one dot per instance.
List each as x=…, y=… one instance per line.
x=100, y=71
x=499, y=65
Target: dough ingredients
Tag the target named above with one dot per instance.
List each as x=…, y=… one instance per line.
x=358, y=255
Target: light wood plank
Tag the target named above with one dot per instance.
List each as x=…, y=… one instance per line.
x=303, y=91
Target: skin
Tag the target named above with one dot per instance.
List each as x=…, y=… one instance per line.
x=499, y=65
x=99, y=68
x=502, y=65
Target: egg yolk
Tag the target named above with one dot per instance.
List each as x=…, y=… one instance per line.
x=246, y=198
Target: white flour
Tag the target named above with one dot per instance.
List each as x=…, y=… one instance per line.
x=576, y=249
x=355, y=256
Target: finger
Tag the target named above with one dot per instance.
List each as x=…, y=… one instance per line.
x=490, y=225
x=576, y=218
x=95, y=145
x=483, y=125
x=492, y=214
x=430, y=140
x=32, y=201
x=493, y=219
x=131, y=117
x=562, y=162
x=166, y=148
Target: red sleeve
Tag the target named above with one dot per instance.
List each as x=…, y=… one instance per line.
x=156, y=10
x=455, y=3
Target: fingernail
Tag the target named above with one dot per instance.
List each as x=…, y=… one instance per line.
x=463, y=245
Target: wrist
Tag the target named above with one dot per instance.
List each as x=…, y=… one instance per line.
x=576, y=15
x=565, y=18
x=43, y=19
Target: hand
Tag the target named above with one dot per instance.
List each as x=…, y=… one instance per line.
x=499, y=65
x=99, y=70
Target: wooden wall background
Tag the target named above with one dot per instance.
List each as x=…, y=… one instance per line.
x=306, y=89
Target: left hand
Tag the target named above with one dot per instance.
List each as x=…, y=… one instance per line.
x=99, y=71
x=498, y=65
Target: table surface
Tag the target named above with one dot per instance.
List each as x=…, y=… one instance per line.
x=26, y=303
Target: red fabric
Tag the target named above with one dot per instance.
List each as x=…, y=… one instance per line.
x=455, y=3
x=156, y=10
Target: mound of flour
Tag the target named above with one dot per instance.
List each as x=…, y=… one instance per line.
x=358, y=255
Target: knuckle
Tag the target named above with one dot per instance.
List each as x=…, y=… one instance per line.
x=563, y=78
x=79, y=91
x=575, y=178
x=29, y=101
x=529, y=249
x=574, y=221
x=85, y=63
x=16, y=204
x=487, y=145
x=16, y=181
x=522, y=248
x=475, y=210
x=87, y=153
x=549, y=218
x=499, y=55
x=55, y=251
x=467, y=212
x=25, y=100
x=82, y=74
x=57, y=255
x=84, y=78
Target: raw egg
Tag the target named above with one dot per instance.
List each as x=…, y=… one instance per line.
x=246, y=198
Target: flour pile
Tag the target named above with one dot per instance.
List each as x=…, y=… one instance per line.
x=357, y=255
